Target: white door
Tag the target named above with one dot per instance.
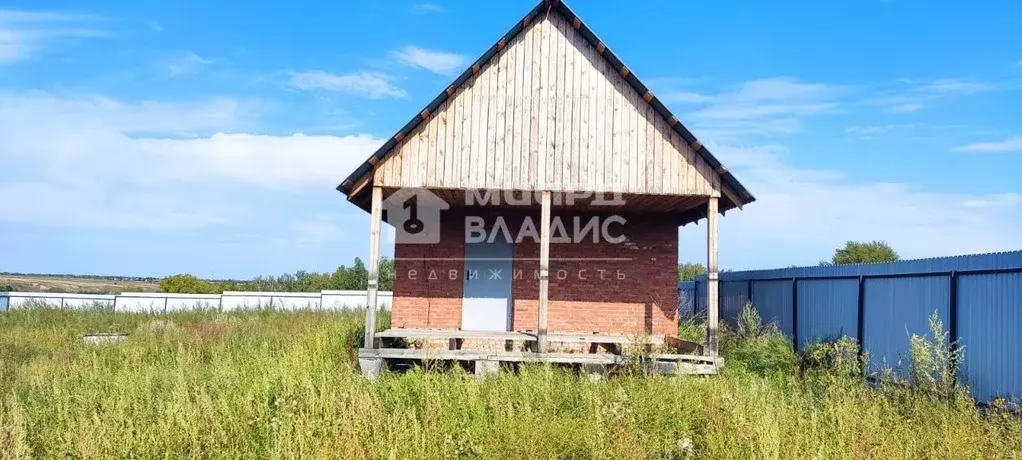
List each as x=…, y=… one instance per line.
x=487, y=281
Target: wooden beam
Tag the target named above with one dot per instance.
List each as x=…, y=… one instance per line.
x=731, y=196
x=361, y=184
x=375, y=222
x=712, y=277
x=544, y=269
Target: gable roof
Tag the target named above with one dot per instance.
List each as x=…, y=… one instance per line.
x=728, y=180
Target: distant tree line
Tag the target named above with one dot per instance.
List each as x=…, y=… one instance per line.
x=354, y=277
x=140, y=279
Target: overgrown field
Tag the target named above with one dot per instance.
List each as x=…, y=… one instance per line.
x=283, y=385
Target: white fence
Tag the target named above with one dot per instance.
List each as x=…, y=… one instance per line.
x=159, y=302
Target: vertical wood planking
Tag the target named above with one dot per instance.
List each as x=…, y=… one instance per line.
x=606, y=108
x=496, y=168
x=481, y=106
x=535, y=101
x=633, y=153
x=592, y=159
x=465, y=132
x=451, y=166
x=469, y=131
x=544, y=105
x=441, y=145
x=651, y=159
x=433, y=159
x=557, y=91
x=490, y=146
x=658, y=154
x=411, y=159
x=676, y=163
x=618, y=132
x=548, y=112
x=514, y=136
x=577, y=87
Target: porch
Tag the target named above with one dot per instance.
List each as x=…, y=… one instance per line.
x=547, y=316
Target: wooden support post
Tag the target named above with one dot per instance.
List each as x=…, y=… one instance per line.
x=375, y=222
x=712, y=276
x=544, y=270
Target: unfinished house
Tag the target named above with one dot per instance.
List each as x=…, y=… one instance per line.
x=536, y=203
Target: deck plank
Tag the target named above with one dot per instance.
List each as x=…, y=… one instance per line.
x=513, y=335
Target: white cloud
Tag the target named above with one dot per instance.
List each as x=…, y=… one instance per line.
x=24, y=34
x=294, y=161
x=57, y=204
x=426, y=8
x=1008, y=145
x=684, y=97
x=906, y=108
x=373, y=85
x=913, y=95
x=12, y=46
x=438, y=62
x=999, y=201
x=185, y=64
x=755, y=110
x=953, y=86
x=801, y=215
x=867, y=131
x=98, y=162
x=768, y=106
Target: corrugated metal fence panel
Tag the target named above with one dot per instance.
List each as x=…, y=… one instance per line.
x=686, y=299
x=733, y=297
x=990, y=329
x=772, y=300
x=4, y=302
x=700, y=299
x=894, y=309
x=827, y=309
x=989, y=309
x=966, y=262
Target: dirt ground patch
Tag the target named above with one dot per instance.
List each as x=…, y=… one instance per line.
x=25, y=283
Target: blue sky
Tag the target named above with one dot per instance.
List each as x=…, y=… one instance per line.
x=206, y=137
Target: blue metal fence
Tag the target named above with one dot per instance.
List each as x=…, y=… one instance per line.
x=978, y=297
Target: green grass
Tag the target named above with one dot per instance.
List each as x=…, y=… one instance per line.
x=282, y=385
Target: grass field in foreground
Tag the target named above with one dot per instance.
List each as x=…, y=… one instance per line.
x=282, y=385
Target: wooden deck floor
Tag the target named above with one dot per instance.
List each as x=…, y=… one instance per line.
x=439, y=334
x=373, y=360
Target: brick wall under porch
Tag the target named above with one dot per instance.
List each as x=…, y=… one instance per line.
x=595, y=287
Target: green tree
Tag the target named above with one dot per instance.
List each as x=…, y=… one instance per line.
x=688, y=271
x=355, y=277
x=387, y=273
x=186, y=284
x=856, y=252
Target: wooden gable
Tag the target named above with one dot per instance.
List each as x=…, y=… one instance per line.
x=547, y=112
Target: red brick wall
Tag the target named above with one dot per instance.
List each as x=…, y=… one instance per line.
x=426, y=295
x=595, y=287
